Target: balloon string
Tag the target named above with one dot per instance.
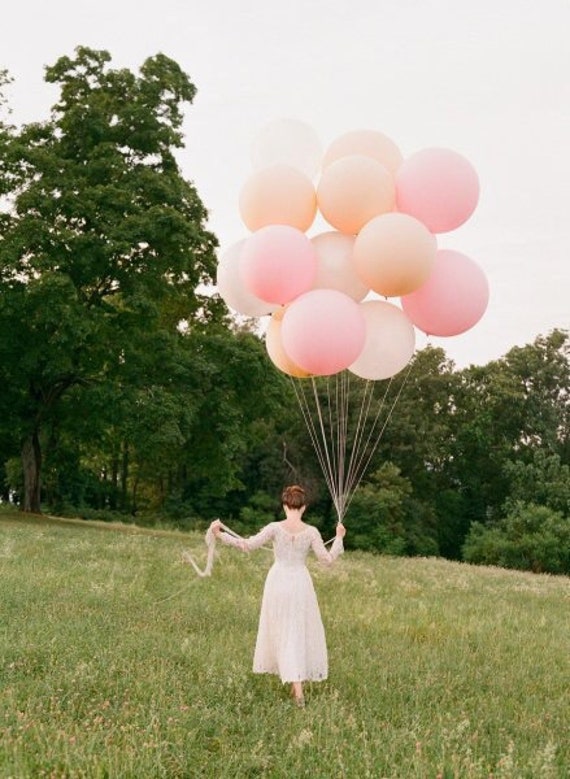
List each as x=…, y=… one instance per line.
x=381, y=433
x=363, y=444
x=343, y=474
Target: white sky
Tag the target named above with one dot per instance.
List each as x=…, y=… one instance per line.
x=489, y=79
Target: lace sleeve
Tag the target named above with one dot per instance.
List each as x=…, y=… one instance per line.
x=320, y=550
x=249, y=544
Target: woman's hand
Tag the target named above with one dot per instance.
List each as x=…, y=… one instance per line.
x=340, y=530
x=216, y=527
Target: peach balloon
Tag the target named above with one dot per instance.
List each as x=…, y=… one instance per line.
x=275, y=350
x=453, y=299
x=369, y=143
x=335, y=269
x=231, y=287
x=390, y=341
x=287, y=142
x=323, y=331
x=353, y=190
x=278, y=263
x=394, y=254
x=278, y=195
x=439, y=187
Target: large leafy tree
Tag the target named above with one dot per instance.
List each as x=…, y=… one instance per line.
x=507, y=410
x=103, y=242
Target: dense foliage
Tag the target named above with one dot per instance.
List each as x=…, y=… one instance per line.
x=126, y=389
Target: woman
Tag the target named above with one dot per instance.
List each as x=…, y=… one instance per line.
x=291, y=638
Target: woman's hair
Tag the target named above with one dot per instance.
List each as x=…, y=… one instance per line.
x=293, y=497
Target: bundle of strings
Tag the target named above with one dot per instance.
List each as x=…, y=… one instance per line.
x=211, y=544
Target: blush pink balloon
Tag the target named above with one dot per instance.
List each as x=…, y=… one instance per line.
x=439, y=187
x=452, y=300
x=278, y=263
x=335, y=268
x=323, y=331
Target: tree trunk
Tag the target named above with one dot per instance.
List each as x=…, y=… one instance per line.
x=32, y=465
x=125, y=477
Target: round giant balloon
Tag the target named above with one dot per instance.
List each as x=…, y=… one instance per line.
x=232, y=289
x=453, y=299
x=278, y=195
x=275, y=350
x=353, y=190
x=439, y=187
x=323, y=331
x=394, y=254
x=390, y=341
x=287, y=142
x=369, y=143
x=335, y=269
x=278, y=263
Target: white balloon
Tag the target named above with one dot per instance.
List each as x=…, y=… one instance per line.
x=287, y=142
x=390, y=341
x=232, y=289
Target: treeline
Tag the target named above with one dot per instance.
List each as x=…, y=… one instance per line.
x=128, y=391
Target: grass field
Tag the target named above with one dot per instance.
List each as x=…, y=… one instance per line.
x=117, y=661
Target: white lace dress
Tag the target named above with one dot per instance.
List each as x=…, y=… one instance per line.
x=291, y=638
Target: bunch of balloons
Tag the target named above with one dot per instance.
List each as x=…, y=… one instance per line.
x=327, y=294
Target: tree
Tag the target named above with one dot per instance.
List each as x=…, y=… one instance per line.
x=378, y=512
x=530, y=538
x=418, y=439
x=104, y=244
x=507, y=410
x=544, y=481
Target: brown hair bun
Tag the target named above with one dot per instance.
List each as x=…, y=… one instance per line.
x=293, y=497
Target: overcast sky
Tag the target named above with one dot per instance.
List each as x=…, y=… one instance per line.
x=489, y=79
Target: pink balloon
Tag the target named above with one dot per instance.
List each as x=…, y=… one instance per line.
x=231, y=287
x=390, y=341
x=335, y=268
x=323, y=331
x=439, y=187
x=452, y=300
x=278, y=263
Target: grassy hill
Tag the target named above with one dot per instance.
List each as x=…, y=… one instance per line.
x=118, y=661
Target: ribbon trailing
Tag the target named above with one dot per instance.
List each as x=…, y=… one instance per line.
x=210, y=540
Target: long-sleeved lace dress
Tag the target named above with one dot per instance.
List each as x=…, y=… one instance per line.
x=291, y=638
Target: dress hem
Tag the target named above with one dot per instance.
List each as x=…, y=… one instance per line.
x=290, y=681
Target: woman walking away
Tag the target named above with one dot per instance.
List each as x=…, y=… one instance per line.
x=291, y=638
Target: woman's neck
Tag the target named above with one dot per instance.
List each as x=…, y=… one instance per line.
x=293, y=516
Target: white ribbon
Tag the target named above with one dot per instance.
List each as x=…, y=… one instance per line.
x=211, y=544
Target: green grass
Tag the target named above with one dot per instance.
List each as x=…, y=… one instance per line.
x=117, y=661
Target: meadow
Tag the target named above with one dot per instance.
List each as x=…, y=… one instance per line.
x=118, y=661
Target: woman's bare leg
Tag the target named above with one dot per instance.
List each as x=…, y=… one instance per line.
x=297, y=690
